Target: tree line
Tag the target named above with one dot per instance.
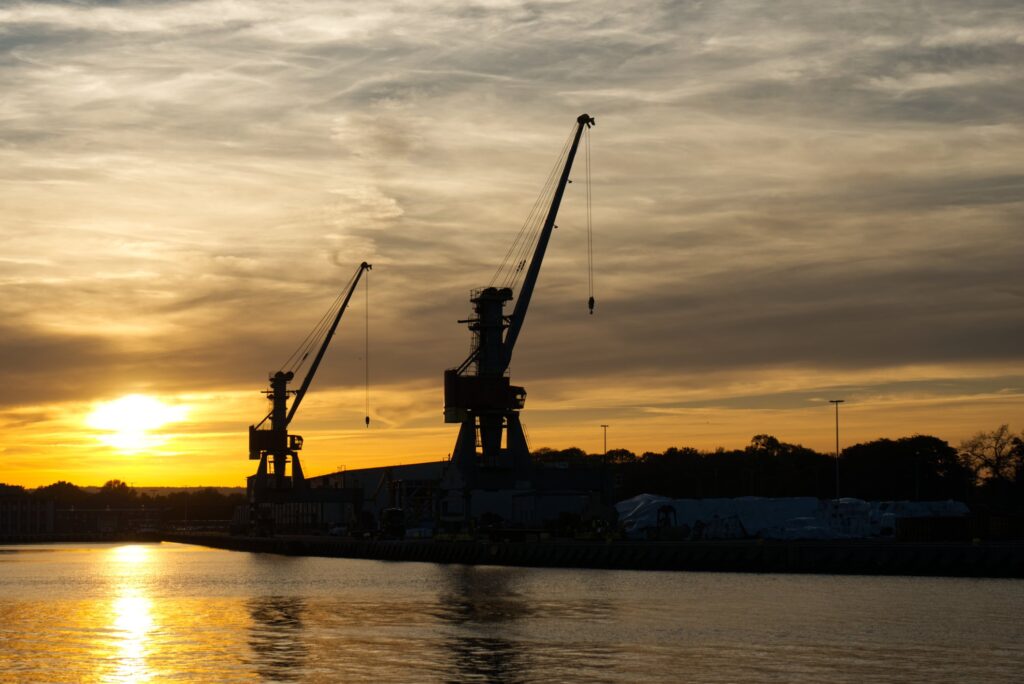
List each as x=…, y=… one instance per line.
x=196, y=504
x=985, y=471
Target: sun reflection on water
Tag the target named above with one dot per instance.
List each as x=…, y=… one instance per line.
x=130, y=553
x=133, y=621
x=130, y=613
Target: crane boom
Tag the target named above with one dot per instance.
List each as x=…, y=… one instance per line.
x=274, y=446
x=491, y=451
x=515, y=322
x=323, y=347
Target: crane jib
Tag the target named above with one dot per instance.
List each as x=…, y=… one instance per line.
x=526, y=291
x=275, y=447
x=323, y=347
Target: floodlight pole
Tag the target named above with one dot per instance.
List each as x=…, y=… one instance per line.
x=837, y=402
x=605, y=428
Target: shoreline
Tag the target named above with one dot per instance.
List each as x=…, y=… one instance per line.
x=932, y=559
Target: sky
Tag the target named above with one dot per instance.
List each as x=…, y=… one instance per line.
x=792, y=202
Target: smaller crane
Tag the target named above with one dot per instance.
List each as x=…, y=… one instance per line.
x=273, y=446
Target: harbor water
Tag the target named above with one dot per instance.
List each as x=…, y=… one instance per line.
x=165, y=612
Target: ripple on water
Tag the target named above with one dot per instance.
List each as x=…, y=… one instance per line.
x=158, y=612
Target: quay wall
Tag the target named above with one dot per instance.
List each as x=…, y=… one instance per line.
x=987, y=559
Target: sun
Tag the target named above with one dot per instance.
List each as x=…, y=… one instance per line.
x=127, y=422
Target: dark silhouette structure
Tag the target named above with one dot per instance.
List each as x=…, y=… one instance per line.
x=491, y=450
x=273, y=446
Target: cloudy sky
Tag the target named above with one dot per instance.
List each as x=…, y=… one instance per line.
x=793, y=201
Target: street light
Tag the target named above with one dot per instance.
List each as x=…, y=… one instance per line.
x=837, y=402
x=605, y=427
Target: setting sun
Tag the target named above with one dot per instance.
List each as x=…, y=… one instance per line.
x=127, y=423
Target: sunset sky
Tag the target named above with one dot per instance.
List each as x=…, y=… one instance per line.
x=793, y=202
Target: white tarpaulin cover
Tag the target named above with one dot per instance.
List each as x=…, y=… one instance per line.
x=783, y=518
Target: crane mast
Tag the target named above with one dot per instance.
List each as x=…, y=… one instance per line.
x=478, y=393
x=273, y=446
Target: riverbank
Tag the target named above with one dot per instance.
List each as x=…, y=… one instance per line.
x=946, y=559
x=989, y=559
x=81, y=538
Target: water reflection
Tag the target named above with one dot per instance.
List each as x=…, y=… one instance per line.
x=482, y=604
x=275, y=636
x=98, y=613
x=131, y=554
x=130, y=613
x=133, y=621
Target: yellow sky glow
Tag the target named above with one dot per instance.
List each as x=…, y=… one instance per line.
x=791, y=203
x=129, y=424
x=152, y=441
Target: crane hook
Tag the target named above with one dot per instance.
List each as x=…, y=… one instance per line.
x=367, y=421
x=590, y=303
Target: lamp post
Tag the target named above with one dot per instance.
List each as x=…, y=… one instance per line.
x=605, y=428
x=837, y=402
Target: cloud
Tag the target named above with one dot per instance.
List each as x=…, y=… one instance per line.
x=779, y=188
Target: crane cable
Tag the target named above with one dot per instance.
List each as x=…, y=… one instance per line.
x=316, y=335
x=366, y=342
x=514, y=261
x=513, y=264
x=590, y=232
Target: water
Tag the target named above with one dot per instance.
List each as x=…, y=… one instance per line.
x=159, y=612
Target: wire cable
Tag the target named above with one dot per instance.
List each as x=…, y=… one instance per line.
x=316, y=335
x=590, y=232
x=366, y=340
x=514, y=261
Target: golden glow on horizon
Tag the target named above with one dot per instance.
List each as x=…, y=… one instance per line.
x=209, y=446
x=127, y=423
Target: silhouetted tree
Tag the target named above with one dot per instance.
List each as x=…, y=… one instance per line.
x=765, y=444
x=570, y=455
x=915, y=468
x=990, y=455
x=776, y=468
x=767, y=467
x=11, y=490
x=64, y=494
x=116, y=494
x=1018, y=459
x=203, y=504
x=996, y=459
x=621, y=456
x=672, y=455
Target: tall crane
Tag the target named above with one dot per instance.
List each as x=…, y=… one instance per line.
x=272, y=446
x=478, y=393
